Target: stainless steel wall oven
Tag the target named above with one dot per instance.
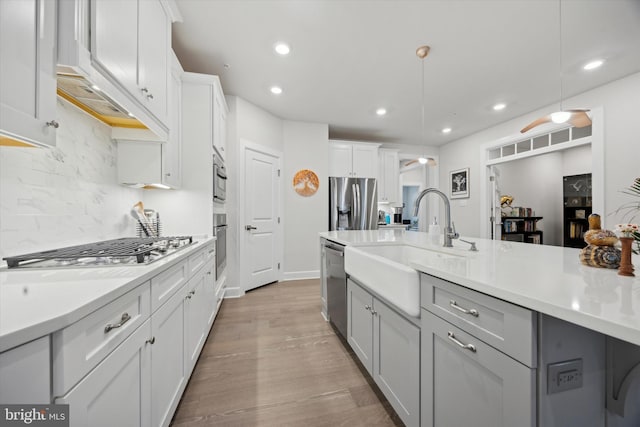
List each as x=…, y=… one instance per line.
x=219, y=180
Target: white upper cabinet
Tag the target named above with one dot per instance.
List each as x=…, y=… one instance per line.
x=206, y=111
x=172, y=150
x=122, y=47
x=389, y=178
x=131, y=41
x=350, y=159
x=220, y=111
x=27, y=72
x=154, y=48
x=115, y=36
x=154, y=162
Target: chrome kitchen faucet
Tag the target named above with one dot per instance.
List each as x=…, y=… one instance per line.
x=450, y=229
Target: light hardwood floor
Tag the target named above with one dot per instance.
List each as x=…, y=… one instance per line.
x=272, y=360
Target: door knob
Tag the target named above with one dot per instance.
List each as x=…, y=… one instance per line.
x=250, y=227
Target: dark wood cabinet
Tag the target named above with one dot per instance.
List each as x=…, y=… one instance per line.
x=577, y=201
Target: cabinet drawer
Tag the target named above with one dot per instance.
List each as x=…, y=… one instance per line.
x=81, y=346
x=164, y=285
x=507, y=327
x=200, y=258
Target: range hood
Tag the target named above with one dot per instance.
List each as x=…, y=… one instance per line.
x=83, y=94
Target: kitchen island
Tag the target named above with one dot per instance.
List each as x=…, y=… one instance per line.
x=592, y=313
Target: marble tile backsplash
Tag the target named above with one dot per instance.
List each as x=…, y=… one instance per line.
x=66, y=195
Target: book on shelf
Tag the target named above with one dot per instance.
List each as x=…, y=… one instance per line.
x=511, y=225
x=517, y=211
x=576, y=230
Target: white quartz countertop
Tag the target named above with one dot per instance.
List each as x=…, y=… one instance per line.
x=38, y=301
x=547, y=279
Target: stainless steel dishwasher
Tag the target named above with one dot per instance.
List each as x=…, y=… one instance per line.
x=336, y=286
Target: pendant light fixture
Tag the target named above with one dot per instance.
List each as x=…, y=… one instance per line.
x=577, y=117
x=422, y=53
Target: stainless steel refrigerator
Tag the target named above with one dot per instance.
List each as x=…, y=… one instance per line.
x=353, y=203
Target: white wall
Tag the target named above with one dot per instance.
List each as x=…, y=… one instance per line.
x=306, y=146
x=576, y=161
x=536, y=183
x=258, y=126
x=66, y=195
x=620, y=102
x=244, y=122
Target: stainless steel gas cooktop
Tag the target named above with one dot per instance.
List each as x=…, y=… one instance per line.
x=116, y=252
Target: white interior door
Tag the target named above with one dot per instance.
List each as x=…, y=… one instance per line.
x=261, y=229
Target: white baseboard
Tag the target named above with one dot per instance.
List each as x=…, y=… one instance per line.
x=233, y=292
x=300, y=275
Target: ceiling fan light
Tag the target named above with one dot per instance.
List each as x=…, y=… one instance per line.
x=593, y=64
x=423, y=160
x=560, y=116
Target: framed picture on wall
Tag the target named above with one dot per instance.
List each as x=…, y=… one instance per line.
x=459, y=183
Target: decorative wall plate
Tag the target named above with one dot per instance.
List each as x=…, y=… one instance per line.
x=306, y=182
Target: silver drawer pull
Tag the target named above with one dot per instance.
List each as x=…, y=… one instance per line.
x=472, y=312
x=453, y=338
x=124, y=319
x=367, y=307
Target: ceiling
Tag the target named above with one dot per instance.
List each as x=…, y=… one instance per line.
x=350, y=57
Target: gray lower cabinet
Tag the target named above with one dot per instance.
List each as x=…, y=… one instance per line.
x=468, y=382
x=388, y=345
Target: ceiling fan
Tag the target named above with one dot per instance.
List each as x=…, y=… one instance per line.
x=576, y=117
x=429, y=161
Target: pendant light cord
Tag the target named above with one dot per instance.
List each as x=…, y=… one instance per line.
x=422, y=135
x=560, y=34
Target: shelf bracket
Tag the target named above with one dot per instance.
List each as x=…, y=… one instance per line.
x=623, y=369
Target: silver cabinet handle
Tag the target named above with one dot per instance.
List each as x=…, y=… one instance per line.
x=190, y=294
x=367, y=307
x=212, y=251
x=144, y=90
x=472, y=311
x=124, y=319
x=453, y=338
x=374, y=313
x=150, y=96
x=53, y=124
x=209, y=273
x=250, y=227
x=167, y=174
x=152, y=340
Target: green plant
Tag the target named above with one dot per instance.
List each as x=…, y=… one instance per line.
x=632, y=209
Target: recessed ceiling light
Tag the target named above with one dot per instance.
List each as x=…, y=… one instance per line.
x=381, y=111
x=131, y=115
x=276, y=90
x=446, y=130
x=499, y=107
x=95, y=87
x=282, y=48
x=593, y=64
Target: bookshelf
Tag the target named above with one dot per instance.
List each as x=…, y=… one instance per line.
x=577, y=208
x=521, y=229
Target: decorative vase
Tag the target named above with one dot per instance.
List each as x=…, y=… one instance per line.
x=626, y=268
